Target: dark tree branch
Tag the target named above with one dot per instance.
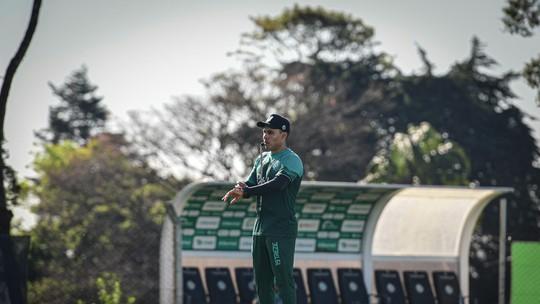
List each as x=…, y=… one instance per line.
x=14, y=283
x=15, y=62
x=5, y=214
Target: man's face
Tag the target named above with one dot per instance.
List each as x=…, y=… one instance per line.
x=273, y=139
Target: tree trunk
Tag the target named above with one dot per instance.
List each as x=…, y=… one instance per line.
x=5, y=214
x=12, y=272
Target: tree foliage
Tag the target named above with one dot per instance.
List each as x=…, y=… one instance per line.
x=110, y=291
x=305, y=34
x=531, y=72
x=80, y=113
x=189, y=135
x=336, y=77
x=474, y=109
x=100, y=211
x=420, y=156
x=521, y=17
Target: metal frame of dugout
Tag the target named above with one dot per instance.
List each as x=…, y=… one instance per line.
x=373, y=227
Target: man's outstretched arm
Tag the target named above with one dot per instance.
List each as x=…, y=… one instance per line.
x=276, y=184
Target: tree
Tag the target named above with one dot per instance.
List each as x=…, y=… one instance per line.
x=191, y=135
x=334, y=72
x=421, y=156
x=80, y=114
x=5, y=214
x=521, y=17
x=469, y=105
x=8, y=180
x=100, y=211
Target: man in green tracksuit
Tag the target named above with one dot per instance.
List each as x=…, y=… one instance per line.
x=275, y=180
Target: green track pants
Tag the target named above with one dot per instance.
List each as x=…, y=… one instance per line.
x=273, y=259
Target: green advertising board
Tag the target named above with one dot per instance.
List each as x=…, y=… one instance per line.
x=525, y=273
x=330, y=218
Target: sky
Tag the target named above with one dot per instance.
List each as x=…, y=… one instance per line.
x=142, y=53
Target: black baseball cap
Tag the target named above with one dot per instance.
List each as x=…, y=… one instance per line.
x=276, y=121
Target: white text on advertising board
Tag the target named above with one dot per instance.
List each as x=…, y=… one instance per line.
x=307, y=225
x=349, y=245
x=246, y=242
x=248, y=223
x=359, y=209
x=314, y=208
x=204, y=242
x=207, y=222
x=305, y=245
x=352, y=226
x=213, y=206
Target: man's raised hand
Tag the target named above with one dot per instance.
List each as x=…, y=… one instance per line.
x=236, y=193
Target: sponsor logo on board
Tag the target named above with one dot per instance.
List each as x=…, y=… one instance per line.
x=308, y=225
x=305, y=245
x=208, y=222
x=204, y=242
x=349, y=245
x=352, y=226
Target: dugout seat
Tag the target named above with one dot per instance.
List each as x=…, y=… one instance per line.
x=351, y=286
x=418, y=288
x=246, y=284
x=389, y=287
x=446, y=287
x=193, y=286
x=321, y=286
x=301, y=296
x=220, y=286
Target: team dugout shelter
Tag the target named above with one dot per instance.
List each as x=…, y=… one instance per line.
x=356, y=243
